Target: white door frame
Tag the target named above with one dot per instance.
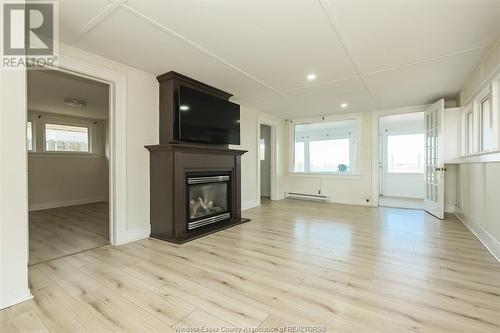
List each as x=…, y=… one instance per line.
x=376, y=115
x=117, y=136
x=274, y=156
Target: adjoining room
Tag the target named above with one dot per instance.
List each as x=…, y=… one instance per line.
x=401, y=170
x=68, y=164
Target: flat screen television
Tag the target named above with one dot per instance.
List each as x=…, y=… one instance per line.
x=206, y=118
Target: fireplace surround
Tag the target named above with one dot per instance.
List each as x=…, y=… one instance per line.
x=195, y=189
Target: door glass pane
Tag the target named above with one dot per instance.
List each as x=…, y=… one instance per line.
x=66, y=138
x=329, y=155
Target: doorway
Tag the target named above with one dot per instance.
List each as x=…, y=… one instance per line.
x=402, y=160
x=69, y=154
x=265, y=162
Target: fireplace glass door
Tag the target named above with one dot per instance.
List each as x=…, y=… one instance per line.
x=208, y=198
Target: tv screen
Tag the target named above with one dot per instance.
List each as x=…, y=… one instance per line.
x=206, y=118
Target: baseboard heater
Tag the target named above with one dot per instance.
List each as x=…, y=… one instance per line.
x=303, y=196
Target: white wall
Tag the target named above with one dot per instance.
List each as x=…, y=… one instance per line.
x=13, y=185
x=489, y=67
x=265, y=165
x=478, y=199
x=348, y=189
x=63, y=179
x=142, y=129
x=478, y=184
x=250, y=182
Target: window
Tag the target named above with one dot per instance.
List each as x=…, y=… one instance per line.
x=486, y=125
x=327, y=147
x=299, y=157
x=469, y=132
x=405, y=153
x=262, y=149
x=66, y=138
x=29, y=136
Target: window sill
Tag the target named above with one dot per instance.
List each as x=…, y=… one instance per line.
x=63, y=154
x=335, y=175
x=485, y=157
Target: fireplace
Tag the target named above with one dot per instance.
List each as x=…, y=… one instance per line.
x=208, y=199
x=195, y=187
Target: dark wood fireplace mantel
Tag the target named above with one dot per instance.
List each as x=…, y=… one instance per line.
x=173, y=162
x=170, y=164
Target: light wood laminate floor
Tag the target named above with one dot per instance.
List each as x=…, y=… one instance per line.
x=58, y=232
x=345, y=268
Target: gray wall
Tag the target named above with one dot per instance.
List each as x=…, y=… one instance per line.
x=63, y=179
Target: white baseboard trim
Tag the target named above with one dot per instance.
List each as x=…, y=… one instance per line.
x=15, y=299
x=66, y=203
x=491, y=244
x=138, y=233
x=250, y=204
x=450, y=208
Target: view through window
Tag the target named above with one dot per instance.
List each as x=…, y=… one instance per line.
x=486, y=125
x=405, y=153
x=326, y=147
x=29, y=135
x=328, y=155
x=66, y=138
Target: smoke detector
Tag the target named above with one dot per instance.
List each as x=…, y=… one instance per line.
x=73, y=102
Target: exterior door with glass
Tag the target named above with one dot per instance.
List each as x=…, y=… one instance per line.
x=434, y=159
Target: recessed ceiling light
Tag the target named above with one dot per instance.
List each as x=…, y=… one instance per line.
x=77, y=103
x=184, y=107
x=344, y=105
x=311, y=77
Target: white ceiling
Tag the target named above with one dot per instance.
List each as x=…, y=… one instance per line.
x=368, y=54
x=47, y=90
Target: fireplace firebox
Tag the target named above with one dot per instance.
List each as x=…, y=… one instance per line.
x=208, y=199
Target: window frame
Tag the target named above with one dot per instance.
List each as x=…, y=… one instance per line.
x=33, y=136
x=355, y=146
x=480, y=134
x=468, y=146
x=89, y=126
x=490, y=91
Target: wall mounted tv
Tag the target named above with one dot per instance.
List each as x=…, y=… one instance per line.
x=206, y=118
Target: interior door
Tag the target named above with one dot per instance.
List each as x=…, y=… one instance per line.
x=434, y=159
